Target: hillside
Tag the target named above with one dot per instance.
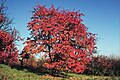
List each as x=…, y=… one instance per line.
x=7, y=73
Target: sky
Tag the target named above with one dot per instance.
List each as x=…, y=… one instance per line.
x=102, y=17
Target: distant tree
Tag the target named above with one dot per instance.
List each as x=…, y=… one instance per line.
x=63, y=38
x=8, y=36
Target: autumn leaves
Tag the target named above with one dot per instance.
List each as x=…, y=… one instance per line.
x=62, y=36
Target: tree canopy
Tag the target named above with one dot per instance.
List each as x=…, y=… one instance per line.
x=62, y=36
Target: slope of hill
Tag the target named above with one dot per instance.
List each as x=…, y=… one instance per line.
x=8, y=73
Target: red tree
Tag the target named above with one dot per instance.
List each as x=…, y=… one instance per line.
x=62, y=36
x=8, y=50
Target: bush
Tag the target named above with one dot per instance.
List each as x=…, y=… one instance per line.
x=116, y=66
x=103, y=65
x=31, y=62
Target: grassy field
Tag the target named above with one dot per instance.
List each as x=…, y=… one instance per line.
x=6, y=73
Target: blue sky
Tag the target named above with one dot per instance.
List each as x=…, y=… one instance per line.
x=101, y=17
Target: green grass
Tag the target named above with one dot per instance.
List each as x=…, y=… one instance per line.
x=6, y=73
x=13, y=74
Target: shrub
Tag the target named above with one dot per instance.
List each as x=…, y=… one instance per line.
x=103, y=65
x=116, y=66
x=31, y=62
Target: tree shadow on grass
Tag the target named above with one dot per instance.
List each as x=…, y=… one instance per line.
x=41, y=71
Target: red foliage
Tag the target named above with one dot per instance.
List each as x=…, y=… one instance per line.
x=62, y=36
x=5, y=38
x=8, y=51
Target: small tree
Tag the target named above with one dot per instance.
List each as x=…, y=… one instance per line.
x=8, y=50
x=63, y=38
